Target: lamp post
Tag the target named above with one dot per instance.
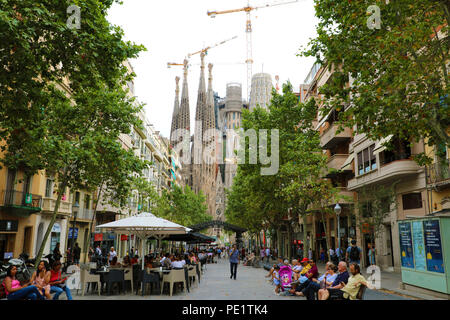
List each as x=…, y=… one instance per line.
x=337, y=210
x=75, y=209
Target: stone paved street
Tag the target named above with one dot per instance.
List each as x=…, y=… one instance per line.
x=217, y=285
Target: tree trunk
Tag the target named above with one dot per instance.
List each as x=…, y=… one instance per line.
x=289, y=229
x=327, y=238
x=86, y=244
x=61, y=189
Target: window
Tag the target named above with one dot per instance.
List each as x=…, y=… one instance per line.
x=412, y=201
x=77, y=197
x=366, y=160
x=49, y=188
x=87, y=200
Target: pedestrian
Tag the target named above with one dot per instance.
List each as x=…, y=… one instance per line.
x=310, y=254
x=76, y=254
x=132, y=252
x=353, y=253
x=57, y=253
x=371, y=253
x=261, y=253
x=299, y=253
x=234, y=261
x=267, y=254
x=112, y=253
x=98, y=251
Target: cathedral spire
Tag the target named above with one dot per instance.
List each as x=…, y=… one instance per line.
x=176, y=110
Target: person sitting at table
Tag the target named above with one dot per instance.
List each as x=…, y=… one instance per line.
x=114, y=263
x=126, y=262
x=177, y=263
x=134, y=260
x=149, y=262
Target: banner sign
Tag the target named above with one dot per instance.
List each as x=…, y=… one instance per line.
x=433, y=247
x=406, y=247
x=98, y=237
x=419, y=246
x=71, y=232
x=123, y=237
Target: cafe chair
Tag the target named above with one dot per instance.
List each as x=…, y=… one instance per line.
x=86, y=277
x=128, y=276
x=173, y=277
x=192, y=274
x=149, y=278
x=115, y=277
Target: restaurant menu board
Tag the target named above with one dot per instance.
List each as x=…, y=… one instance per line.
x=433, y=248
x=419, y=246
x=406, y=247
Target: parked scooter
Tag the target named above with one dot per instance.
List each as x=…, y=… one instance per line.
x=23, y=264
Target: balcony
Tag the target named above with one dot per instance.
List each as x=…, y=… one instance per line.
x=48, y=206
x=85, y=214
x=336, y=161
x=20, y=203
x=329, y=138
x=388, y=172
x=438, y=174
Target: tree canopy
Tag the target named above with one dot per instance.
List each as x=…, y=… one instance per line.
x=394, y=77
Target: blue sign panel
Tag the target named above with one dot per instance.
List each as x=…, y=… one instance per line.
x=433, y=247
x=419, y=246
x=71, y=232
x=406, y=247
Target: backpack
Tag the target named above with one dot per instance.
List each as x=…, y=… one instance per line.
x=354, y=254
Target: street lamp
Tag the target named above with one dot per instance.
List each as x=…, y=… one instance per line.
x=75, y=209
x=337, y=210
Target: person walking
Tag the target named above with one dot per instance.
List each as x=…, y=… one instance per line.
x=112, y=253
x=234, y=261
x=353, y=253
x=371, y=253
x=76, y=254
x=267, y=254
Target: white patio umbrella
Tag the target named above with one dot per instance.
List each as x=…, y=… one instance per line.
x=144, y=225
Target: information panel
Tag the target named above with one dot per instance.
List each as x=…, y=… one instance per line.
x=419, y=246
x=433, y=247
x=406, y=247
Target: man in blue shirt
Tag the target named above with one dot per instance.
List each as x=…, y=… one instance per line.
x=341, y=279
x=234, y=261
x=353, y=253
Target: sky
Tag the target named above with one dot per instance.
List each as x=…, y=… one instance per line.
x=170, y=29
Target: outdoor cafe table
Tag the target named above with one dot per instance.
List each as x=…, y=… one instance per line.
x=102, y=274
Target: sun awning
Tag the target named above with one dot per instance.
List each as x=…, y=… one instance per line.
x=348, y=163
x=379, y=147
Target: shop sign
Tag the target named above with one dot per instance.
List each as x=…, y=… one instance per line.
x=433, y=247
x=123, y=237
x=420, y=260
x=71, y=232
x=56, y=228
x=9, y=225
x=406, y=247
x=98, y=237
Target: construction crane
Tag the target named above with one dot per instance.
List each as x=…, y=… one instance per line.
x=174, y=64
x=204, y=50
x=248, y=30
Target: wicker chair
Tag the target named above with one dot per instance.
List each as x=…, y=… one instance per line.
x=192, y=273
x=129, y=276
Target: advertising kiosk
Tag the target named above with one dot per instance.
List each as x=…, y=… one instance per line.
x=425, y=252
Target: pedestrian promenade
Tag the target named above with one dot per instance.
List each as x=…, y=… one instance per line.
x=250, y=284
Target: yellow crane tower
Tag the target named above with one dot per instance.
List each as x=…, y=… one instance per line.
x=248, y=30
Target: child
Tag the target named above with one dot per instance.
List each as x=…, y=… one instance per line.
x=276, y=280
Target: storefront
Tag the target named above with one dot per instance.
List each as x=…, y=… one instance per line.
x=425, y=253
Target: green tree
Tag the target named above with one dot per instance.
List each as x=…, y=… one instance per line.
x=399, y=72
x=261, y=202
x=62, y=91
x=182, y=206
